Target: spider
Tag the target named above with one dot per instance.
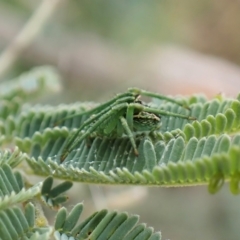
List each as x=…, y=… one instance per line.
x=124, y=114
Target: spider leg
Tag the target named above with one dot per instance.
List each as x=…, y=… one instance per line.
x=129, y=116
x=104, y=111
x=92, y=126
x=156, y=95
x=120, y=98
x=141, y=107
x=99, y=115
x=129, y=134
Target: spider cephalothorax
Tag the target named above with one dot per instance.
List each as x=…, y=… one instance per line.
x=145, y=121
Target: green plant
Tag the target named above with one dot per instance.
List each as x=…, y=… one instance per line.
x=181, y=153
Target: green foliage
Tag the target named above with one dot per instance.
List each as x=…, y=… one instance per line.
x=33, y=129
x=12, y=188
x=181, y=153
x=52, y=196
x=15, y=224
x=101, y=225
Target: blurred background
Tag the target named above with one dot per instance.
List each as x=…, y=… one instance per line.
x=172, y=47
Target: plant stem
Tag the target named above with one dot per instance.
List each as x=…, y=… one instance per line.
x=27, y=34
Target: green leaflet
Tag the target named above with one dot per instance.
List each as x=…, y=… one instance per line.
x=52, y=196
x=41, y=118
x=12, y=158
x=12, y=190
x=14, y=224
x=101, y=225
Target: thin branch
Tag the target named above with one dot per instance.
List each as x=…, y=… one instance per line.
x=27, y=34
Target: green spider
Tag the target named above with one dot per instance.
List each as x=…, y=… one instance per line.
x=124, y=114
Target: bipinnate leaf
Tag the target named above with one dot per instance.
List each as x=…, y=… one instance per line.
x=52, y=196
x=12, y=190
x=183, y=152
x=14, y=224
x=101, y=225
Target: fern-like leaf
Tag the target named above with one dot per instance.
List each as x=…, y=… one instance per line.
x=53, y=196
x=176, y=155
x=12, y=189
x=101, y=225
x=15, y=224
x=12, y=158
x=30, y=84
